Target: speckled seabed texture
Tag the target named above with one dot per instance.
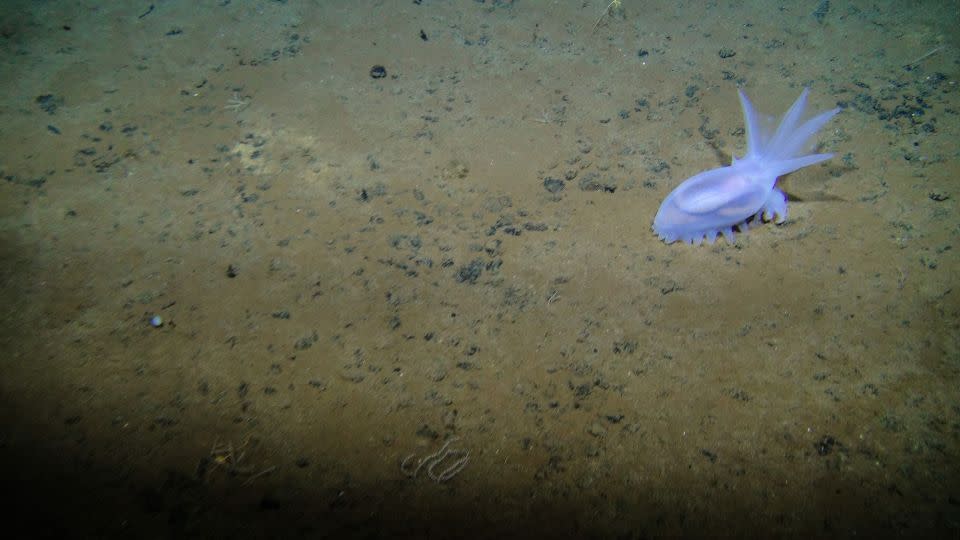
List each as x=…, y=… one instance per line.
x=430, y=304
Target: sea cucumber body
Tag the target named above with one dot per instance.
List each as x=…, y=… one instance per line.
x=715, y=202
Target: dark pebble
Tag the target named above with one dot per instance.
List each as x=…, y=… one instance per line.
x=49, y=103
x=553, y=185
x=821, y=12
x=470, y=273
x=825, y=445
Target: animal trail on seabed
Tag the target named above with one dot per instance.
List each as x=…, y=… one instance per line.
x=452, y=460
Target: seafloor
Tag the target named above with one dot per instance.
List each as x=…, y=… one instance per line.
x=385, y=269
